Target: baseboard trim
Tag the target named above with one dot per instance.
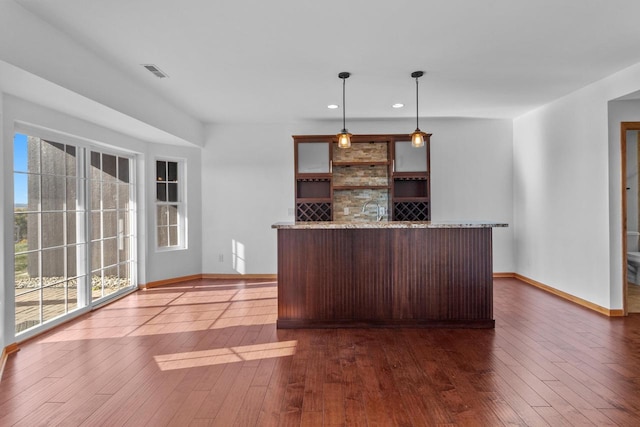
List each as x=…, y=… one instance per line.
x=10, y=349
x=574, y=299
x=176, y=280
x=171, y=281
x=504, y=275
x=241, y=276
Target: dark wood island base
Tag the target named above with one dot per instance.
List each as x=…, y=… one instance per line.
x=386, y=274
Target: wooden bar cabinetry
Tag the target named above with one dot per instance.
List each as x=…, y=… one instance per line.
x=331, y=183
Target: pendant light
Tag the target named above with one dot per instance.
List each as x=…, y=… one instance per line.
x=344, y=137
x=417, y=137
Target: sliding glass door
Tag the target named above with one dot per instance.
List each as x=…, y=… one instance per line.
x=111, y=191
x=72, y=233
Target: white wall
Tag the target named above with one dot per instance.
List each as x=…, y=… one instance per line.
x=248, y=183
x=567, y=201
x=152, y=265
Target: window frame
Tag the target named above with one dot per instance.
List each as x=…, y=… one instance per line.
x=181, y=204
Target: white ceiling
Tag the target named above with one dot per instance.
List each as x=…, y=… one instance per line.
x=257, y=60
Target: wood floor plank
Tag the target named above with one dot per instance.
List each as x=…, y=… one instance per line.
x=207, y=352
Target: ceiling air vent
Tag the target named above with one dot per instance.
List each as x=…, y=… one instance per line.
x=155, y=70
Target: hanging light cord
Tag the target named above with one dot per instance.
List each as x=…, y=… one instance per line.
x=344, y=124
x=417, y=127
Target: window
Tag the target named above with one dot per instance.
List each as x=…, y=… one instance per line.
x=169, y=205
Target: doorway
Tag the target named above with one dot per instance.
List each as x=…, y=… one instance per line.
x=630, y=146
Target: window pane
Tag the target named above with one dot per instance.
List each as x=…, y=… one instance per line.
x=20, y=226
x=95, y=166
x=109, y=224
x=23, y=279
x=161, y=171
x=173, y=215
x=96, y=284
x=72, y=294
x=53, y=266
x=161, y=192
x=111, y=282
x=123, y=249
x=71, y=160
x=109, y=195
x=163, y=215
x=110, y=251
x=96, y=255
x=123, y=196
x=72, y=194
x=163, y=237
x=20, y=189
x=173, y=236
x=96, y=187
x=52, y=229
x=54, y=301
x=109, y=167
x=173, y=192
x=123, y=169
x=53, y=158
x=33, y=231
x=172, y=174
x=96, y=225
x=123, y=223
x=27, y=311
x=26, y=153
x=72, y=261
x=33, y=192
x=53, y=193
x=124, y=278
x=72, y=231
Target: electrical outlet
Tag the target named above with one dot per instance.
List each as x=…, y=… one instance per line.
x=383, y=211
x=290, y=213
x=346, y=211
x=220, y=258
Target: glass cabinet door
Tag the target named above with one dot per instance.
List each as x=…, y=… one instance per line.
x=313, y=157
x=409, y=158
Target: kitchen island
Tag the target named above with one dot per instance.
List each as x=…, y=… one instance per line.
x=385, y=274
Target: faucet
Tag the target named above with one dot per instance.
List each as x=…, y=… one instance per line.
x=378, y=215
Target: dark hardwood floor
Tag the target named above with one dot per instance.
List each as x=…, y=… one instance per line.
x=208, y=353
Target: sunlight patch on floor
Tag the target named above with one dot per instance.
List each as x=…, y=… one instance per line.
x=192, y=359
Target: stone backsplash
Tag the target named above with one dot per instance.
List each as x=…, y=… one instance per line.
x=347, y=204
x=361, y=151
x=353, y=200
x=360, y=175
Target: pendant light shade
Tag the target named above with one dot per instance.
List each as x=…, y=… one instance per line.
x=417, y=137
x=344, y=137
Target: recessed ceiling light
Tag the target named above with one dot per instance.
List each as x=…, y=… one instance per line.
x=398, y=105
x=332, y=106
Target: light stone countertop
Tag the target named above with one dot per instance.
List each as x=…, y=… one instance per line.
x=324, y=225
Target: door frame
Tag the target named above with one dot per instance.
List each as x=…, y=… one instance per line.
x=624, y=127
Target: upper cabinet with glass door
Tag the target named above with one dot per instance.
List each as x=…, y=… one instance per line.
x=411, y=181
x=408, y=158
x=313, y=178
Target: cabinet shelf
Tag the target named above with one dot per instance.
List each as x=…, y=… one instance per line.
x=360, y=187
x=313, y=177
x=410, y=199
x=410, y=176
x=313, y=200
x=360, y=163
